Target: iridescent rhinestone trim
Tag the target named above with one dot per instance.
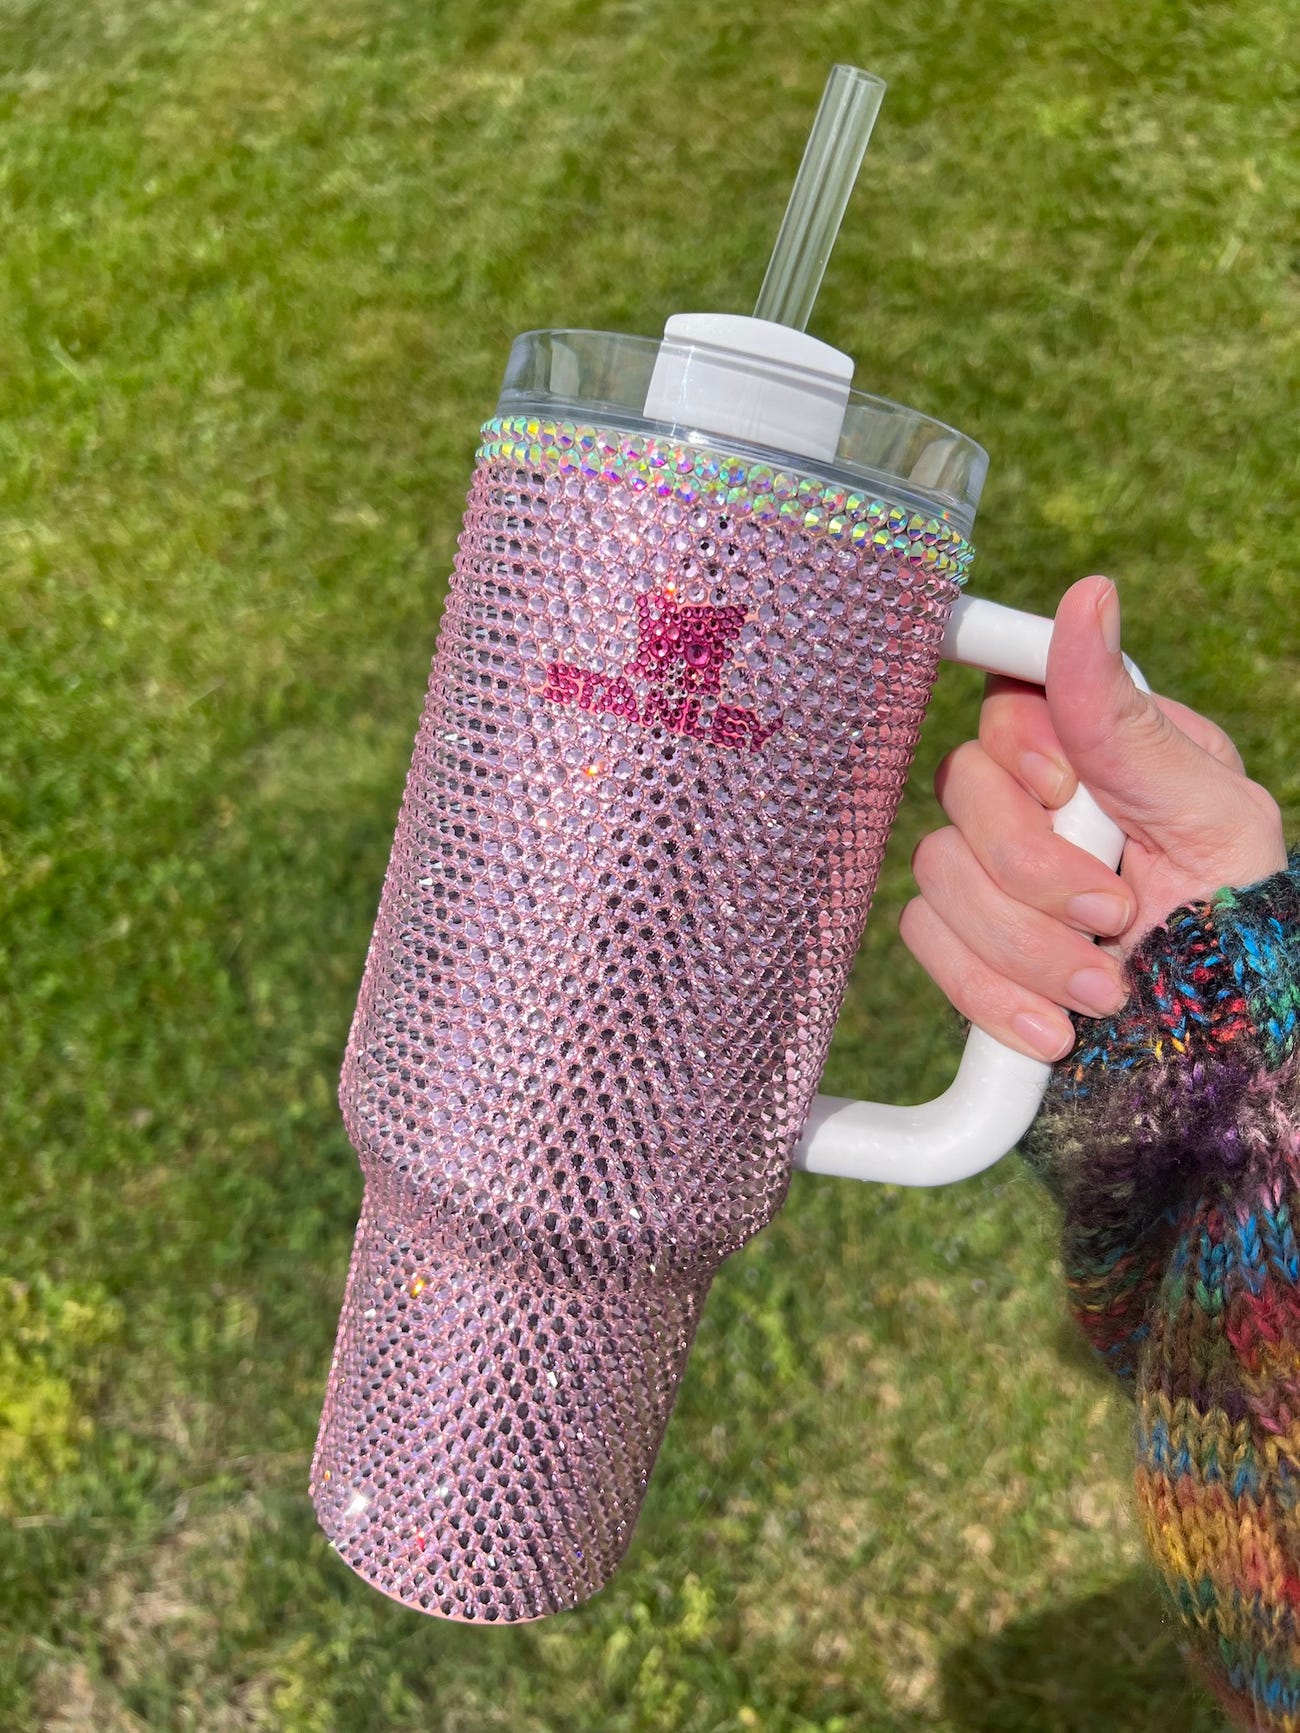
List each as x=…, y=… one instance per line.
x=699, y=474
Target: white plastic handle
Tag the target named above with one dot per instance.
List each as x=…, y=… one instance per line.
x=996, y=1093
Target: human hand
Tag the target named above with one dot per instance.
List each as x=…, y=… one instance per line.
x=1007, y=910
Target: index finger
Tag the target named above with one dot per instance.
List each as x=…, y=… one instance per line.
x=1017, y=733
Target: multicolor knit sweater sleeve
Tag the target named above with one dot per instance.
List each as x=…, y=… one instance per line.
x=1171, y=1138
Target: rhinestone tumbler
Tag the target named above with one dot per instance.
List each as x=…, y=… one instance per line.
x=677, y=688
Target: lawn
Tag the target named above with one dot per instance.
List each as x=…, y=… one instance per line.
x=262, y=262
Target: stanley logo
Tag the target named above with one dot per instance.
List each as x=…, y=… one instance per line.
x=675, y=678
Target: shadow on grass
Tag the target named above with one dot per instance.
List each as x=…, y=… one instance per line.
x=1108, y=1663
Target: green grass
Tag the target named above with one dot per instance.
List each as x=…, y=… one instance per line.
x=262, y=261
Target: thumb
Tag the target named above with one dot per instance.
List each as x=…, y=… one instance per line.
x=1157, y=783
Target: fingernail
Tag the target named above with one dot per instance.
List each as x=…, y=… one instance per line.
x=1108, y=617
x=1098, y=912
x=1048, y=778
x=1052, y=1037
x=1096, y=991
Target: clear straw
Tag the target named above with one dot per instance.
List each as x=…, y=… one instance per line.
x=831, y=160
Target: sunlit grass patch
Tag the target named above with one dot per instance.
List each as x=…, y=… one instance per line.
x=263, y=260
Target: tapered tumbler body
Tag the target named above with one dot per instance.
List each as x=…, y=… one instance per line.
x=676, y=693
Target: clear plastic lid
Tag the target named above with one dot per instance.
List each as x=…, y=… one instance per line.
x=604, y=378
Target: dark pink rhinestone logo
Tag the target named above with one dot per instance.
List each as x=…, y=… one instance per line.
x=682, y=651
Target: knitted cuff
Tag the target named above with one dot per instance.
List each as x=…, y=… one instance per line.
x=1170, y=1096
x=1214, y=994
x=1215, y=973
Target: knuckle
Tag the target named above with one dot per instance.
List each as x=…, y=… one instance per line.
x=1017, y=863
x=1039, y=952
x=1267, y=809
x=1144, y=724
x=1220, y=745
x=912, y=925
x=972, y=990
x=1137, y=725
x=997, y=729
x=969, y=753
x=930, y=856
x=959, y=766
